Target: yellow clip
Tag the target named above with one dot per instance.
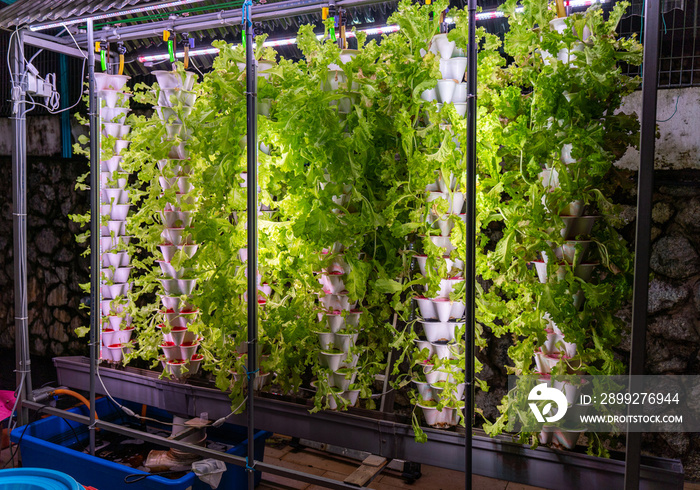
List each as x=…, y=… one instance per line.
x=166, y=35
x=324, y=13
x=97, y=46
x=428, y=2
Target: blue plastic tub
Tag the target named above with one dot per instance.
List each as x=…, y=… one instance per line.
x=46, y=444
x=36, y=479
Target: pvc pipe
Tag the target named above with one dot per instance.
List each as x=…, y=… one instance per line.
x=19, y=219
x=77, y=395
x=94, y=113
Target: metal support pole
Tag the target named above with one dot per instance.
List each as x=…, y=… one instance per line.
x=19, y=218
x=94, y=113
x=470, y=260
x=642, y=246
x=252, y=140
x=66, y=149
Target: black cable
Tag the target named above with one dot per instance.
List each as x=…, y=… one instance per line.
x=75, y=434
x=137, y=477
x=14, y=454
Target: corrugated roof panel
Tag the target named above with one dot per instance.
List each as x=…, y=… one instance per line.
x=25, y=12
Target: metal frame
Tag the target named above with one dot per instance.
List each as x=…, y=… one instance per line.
x=273, y=11
x=470, y=259
x=252, y=231
x=642, y=242
x=377, y=433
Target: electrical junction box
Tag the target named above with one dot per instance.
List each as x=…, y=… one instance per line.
x=38, y=86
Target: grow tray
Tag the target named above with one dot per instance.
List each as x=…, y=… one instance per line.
x=378, y=434
x=58, y=444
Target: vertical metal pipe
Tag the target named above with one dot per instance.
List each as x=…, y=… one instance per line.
x=94, y=113
x=66, y=149
x=252, y=140
x=470, y=260
x=642, y=247
x=19, y=218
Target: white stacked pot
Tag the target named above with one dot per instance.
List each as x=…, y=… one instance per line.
x=180, y=344
x=439, y=317
x=451, y=88
x=340, y=315
x=575, y=250
x=116, y=325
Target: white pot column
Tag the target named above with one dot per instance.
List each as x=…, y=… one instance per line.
x=116, y=325
x=340, y=316
x=439, y=316
x=180, y=345
x=576, y=234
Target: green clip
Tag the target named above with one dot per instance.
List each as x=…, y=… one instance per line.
x=243, y=33
x=332, y=31
x=171, y=50
x=103, y=59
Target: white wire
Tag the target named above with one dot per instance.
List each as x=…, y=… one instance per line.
x=52, y=111
x=127, y=410
x=76, y=42
x=9, y=48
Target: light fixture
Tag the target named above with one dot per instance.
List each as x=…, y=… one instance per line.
x=372, y=31
x=115, y=13
x=497, y=14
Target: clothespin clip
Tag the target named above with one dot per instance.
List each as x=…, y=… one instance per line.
x=342, y=42
x=327, y=12
x=168, y=37
x=186, y=41
x=101, y=47
x=122, y=51
x=561, y=9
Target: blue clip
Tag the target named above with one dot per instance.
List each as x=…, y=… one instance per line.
x=191, y=40
x=245, y=12
x=247, y=466
x=248, y=373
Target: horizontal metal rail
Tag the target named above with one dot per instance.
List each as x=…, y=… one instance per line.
x=190, y=448
x=201, y=22
x=52, y=43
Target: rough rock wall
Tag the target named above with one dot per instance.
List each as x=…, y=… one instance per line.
x=673, y=322
x=54, y=265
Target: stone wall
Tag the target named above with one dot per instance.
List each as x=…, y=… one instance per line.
x=54, y=265
x=673, y=322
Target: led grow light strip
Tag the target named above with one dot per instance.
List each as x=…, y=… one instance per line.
x=497, y=14
x=373, y=31
x=116, y=13
x=272, y=44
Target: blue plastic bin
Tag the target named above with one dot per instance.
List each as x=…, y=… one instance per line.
x=36, y=479
x=46, y=444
